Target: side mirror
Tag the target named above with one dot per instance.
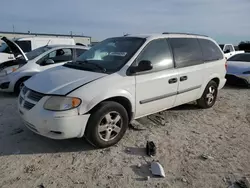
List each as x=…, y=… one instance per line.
x=143, y=65
x=49, y=62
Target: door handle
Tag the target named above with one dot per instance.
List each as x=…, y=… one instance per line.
x=172, y=80
x=183, y=78
x=10, y=58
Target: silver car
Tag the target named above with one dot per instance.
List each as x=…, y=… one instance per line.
x=15, y=72
x=238, y=69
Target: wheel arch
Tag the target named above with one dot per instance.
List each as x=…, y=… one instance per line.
x=124, y=101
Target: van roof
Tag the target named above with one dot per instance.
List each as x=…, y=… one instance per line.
x=46, y=38
x=169, y=34
x=68, y=46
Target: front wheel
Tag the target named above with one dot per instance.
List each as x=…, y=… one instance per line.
x=19, y=85
x=107, y=124
x=209, y=95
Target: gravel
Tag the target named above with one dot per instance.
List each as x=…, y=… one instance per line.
x=181, y=135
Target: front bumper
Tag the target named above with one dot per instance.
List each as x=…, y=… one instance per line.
x=55, y=125
x=3, y=82
x=238, y=79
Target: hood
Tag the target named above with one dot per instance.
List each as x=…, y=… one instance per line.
x=238, y=67
x=60, y=80
x=16, y=50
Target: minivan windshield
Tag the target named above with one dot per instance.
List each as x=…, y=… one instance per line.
x=35, y=53
x=108, y=56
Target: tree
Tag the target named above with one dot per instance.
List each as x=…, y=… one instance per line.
x=244, y=45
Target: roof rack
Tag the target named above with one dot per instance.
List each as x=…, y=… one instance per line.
x=184, y=33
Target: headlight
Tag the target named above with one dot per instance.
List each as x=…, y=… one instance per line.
x=9, y=70
x=60, y=103
x=247, y=72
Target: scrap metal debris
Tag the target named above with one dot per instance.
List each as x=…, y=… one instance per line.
x=157, y=169
x=205, y=157
x=243, y=183
x=151, y=148
x=157, y=119
x=135, y=125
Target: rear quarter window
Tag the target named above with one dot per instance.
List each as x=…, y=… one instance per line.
x=210, y=50
x=187, y=52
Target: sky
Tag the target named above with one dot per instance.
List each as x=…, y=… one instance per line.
x=227, y=21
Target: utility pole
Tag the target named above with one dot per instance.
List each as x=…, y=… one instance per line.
x=13, y=27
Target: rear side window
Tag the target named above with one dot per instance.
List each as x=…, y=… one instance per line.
x=158, y=53
x=187, y=52
x=240, y=57
x=80, y=52
x=24, y=45
x=210, y=50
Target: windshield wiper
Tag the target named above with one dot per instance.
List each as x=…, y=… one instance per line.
x=93, y=64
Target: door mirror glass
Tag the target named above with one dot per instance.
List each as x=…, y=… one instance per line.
x=49, y=62
x=143, y=65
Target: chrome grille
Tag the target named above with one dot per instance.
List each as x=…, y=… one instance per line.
x=35, y=96
x=29, y=98
x=24, y=90
x=27, y=105
x=20, y=100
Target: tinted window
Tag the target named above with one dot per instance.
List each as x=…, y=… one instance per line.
x=186, y=51
x=80, y=52
x=35, y=53
x=158, y=53
x=231, y=48
x=58, y=56
x=240, y=57
x=24, y=45
x=221, y=46
x=210, y=50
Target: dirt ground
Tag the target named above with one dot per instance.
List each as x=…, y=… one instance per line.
x=181, y=135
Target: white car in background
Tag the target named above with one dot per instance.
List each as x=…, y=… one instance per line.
x=15, y=72
x=229, y=50
x=121, y=79
x=28, y=44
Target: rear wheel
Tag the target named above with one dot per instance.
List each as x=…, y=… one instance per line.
x=209, y=95
x=107, y=124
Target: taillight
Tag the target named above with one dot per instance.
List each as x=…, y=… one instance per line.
x=226, y=64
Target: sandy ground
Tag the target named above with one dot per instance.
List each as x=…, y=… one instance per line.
x=182, y=136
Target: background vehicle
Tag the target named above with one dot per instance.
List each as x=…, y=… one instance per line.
x=238, y=69
x=121, y=79
x=229, y=50
x=14, y=73
x=28, y=44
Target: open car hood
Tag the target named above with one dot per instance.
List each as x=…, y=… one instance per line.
x=16, y=50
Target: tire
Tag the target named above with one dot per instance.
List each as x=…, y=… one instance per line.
x=209, y=95
x=19, y=85
x=102, y=124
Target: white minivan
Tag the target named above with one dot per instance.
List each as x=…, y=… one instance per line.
x=28, y=44
x=15, y=72
x=121, y=79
